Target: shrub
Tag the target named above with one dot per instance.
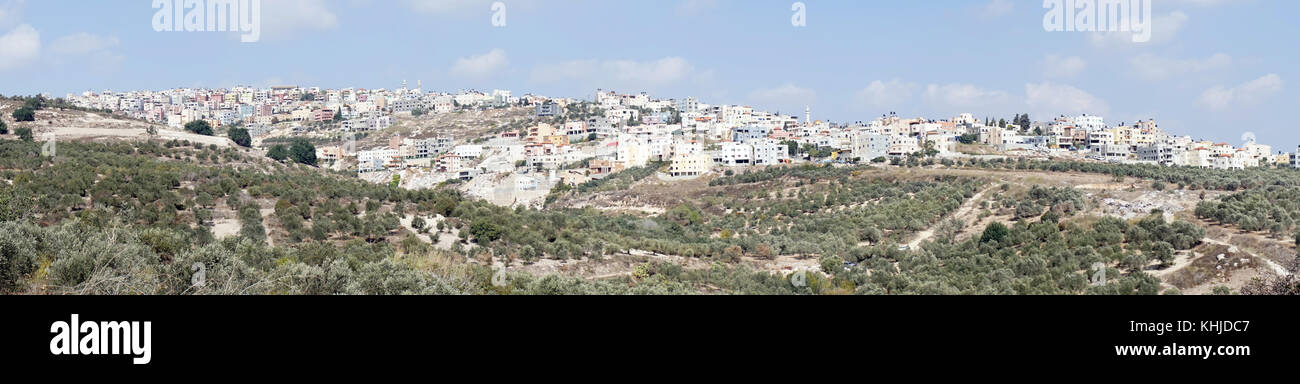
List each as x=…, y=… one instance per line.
x=241, y=137
x=24, y=133
x=24, y=114
x=278, y=152
x=199, y=127
x=484, y=232
x=994, y=233
x=303, y=152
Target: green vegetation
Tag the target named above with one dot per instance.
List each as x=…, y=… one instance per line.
x=116, y=218
x=134, y=219
x=303, y=152
x=994, y=233
x=24, y=134
x=240, y=136
x=1273, y=209
x=24, y=114
x=200, y=127
x=621, y=180
x=278, y=152
x=776, y=211
x=1026, y=259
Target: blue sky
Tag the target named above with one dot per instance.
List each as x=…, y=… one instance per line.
x=1213, y=69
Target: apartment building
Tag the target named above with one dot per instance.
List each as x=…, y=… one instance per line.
x=770, y=152
x=870, y=146
x=688, y=165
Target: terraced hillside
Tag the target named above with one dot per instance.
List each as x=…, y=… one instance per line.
x=147, y=217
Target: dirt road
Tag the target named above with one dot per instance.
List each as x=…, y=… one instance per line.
x=75, y=133
x=965, y=210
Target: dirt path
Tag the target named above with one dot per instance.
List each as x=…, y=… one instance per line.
x=965, y=210
x=75, y=133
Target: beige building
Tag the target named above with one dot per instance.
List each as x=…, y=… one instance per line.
x=686, y=165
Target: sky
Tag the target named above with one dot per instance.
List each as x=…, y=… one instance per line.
x=1213, y=69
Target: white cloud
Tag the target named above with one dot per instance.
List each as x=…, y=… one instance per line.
x=1159, y=68
x=1251, y=92
x=82, y=43
x=480, y=66
x=19, y=47
x=997, y=8
x=1060, y=67
x=92, y=51
x=1164, y=28
x=788, y=95
x=964, y=96
x=618, y=73
x=1050, y=99
x=285, y=19
x=891, y=94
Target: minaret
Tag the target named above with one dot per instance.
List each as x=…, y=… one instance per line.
x=807, y=112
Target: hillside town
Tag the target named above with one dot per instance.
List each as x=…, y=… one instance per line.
x=572, y=141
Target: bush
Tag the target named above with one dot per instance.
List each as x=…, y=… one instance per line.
x=24, y=133
x=278, y=152
x=303, y=152
x=24, y=114
x=995, y=232
x=17, y=254
x=199, y=127
x=484, y=232
x=240, y=136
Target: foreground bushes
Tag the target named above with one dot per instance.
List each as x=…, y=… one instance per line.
x=1272, y=209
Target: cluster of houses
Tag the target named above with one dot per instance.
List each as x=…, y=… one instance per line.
x=262, y=109
x=635, y=130
x=1141, y=142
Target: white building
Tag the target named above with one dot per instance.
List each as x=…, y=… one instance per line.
x=376, y=158
x=903, y=145
x=870, y=146
x=1090, y=123
x=735, y=154
x=770, y=152
x=469, y=151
